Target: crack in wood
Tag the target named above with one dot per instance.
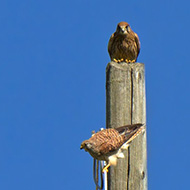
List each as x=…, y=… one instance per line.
x=128, y=169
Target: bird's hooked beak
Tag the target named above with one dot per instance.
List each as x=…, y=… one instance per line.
x=82, y=145
x=123, y=29
x=85, y=145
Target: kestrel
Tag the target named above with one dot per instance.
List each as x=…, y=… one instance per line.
x=107, y=144
x=124, y=44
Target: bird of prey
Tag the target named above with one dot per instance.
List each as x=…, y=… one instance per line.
x=107, y=144
x=124, y=44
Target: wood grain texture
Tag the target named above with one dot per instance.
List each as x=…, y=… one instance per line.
x=126, y=104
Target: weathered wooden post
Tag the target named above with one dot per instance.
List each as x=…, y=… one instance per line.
x=126, y=104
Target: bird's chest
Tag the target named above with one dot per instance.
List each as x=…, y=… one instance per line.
x=123, y=47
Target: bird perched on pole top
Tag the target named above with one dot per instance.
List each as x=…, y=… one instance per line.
x=124, y=44
x=107, y=144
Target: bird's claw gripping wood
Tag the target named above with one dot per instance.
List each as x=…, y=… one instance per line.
x=129, y=61
x=105, y=169
x=121, y=60
x=118, y=60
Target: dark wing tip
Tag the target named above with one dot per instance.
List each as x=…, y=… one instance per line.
x=137, y=43
x=129, y=128
x=131, y=131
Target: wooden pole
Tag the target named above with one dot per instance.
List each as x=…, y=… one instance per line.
x=126, y=104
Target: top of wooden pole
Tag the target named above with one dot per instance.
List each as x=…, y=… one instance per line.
x=126, y=104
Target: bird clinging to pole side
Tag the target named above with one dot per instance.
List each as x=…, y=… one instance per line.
x=124, y=44
x=107, y=144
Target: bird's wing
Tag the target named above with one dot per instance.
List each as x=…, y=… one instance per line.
x=138, y=43
x=130, y=131
x=110, y=44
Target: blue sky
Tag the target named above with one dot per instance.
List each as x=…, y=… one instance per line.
x=52, y=88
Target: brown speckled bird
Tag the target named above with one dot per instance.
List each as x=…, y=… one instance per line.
x=107, y=144
x=124, y=44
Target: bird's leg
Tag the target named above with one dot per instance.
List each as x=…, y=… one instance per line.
x=127, y=61
x=106, y=168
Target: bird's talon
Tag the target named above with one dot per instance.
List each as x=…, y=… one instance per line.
x=106, y=168
x=117, y=61
x=129, y=61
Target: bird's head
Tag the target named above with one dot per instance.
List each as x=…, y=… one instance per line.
x=123, y=28
x=86, y=145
